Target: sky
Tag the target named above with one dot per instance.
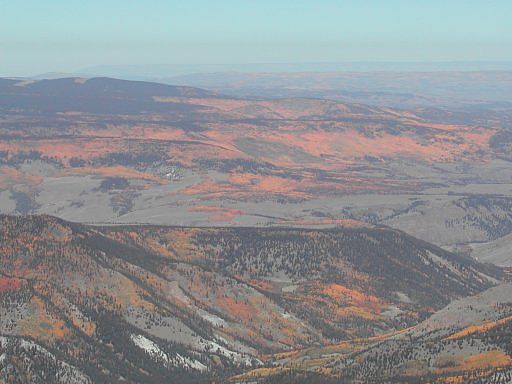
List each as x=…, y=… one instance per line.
x=38, y=36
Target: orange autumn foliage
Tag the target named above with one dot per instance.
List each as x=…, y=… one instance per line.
x=218, y=213
x=479, y=328
x=491, y=359
x=9, y=284
x=236, y=308
x=357, y=298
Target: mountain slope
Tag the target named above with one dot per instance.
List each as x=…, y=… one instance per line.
x=469, y=341
x=498, y=252
x=141, y=303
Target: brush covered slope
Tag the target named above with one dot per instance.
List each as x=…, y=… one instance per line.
x=469, y=341
x=149, y=304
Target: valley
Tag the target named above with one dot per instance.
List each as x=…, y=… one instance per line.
x=185, y=156
x=151, y=232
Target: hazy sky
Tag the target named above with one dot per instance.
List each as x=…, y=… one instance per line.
x=66, y=35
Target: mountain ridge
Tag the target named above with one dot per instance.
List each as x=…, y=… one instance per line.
x=166, y=296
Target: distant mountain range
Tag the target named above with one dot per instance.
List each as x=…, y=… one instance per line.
x=97, y=95
x=448, y=88
x=450, y=85
x=167, y=70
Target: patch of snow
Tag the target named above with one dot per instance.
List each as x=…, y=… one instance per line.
x=214, y=347
x=191, y=363
x=150, y=347
x=154, y=351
